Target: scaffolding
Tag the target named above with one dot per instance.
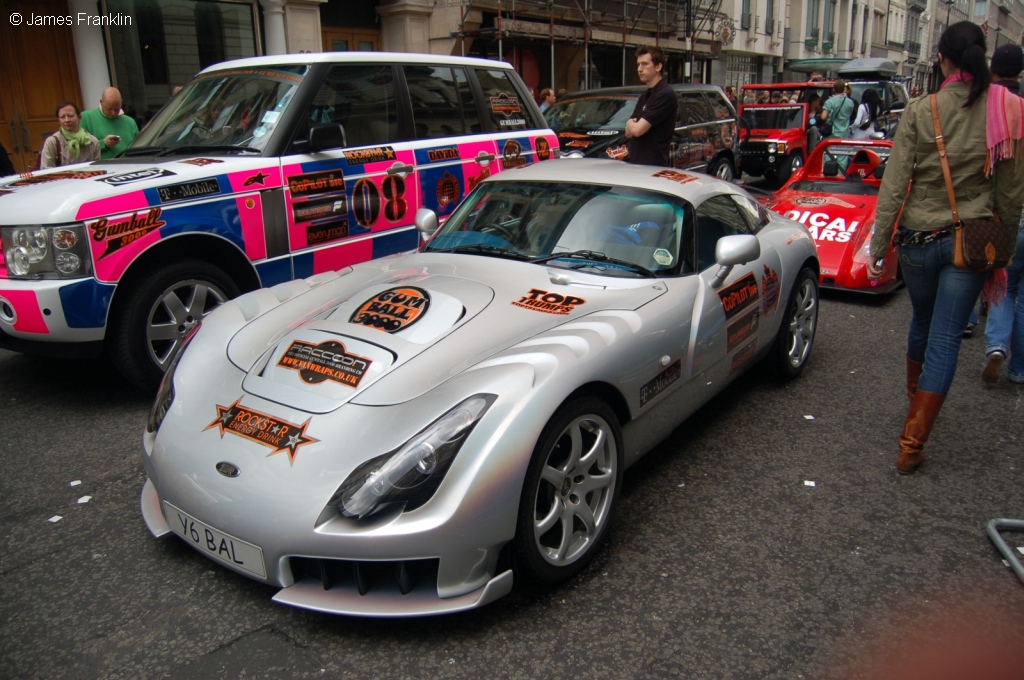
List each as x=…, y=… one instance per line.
x=689, y=27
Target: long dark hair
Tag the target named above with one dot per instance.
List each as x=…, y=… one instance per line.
x=963, y=44
x=872, y=101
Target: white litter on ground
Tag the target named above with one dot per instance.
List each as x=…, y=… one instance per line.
x=1020, y=549
x=808, y=482
x=55, y=519
x=808, y=417
x=84, y=499
x=75, y=483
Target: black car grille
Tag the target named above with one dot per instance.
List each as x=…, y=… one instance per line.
x=404, y=575
x=754, y=148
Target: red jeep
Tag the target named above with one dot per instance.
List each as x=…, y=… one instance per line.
x=774, y=141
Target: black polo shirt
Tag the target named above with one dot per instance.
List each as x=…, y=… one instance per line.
x=657, y=105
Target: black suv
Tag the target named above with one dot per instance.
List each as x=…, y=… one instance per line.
x=592, y=123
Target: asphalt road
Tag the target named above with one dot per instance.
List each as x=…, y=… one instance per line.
x=723, y=560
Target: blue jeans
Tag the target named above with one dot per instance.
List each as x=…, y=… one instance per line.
x=942, y=298
x=1004, y=331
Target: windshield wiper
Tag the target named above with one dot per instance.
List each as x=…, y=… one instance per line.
x=596, y=257
x=142, y=151
x=484, y=249
x=209, y=148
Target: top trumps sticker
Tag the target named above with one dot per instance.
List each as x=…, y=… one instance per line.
x=393, y=309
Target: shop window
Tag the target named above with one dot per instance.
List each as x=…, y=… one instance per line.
x=152, y=44
x=209, y=33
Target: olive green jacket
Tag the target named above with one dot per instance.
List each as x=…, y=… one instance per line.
x=915, y=156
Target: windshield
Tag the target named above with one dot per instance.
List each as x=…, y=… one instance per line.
x=591, y=113
x=533, y=220
x=232, y=108
x=775, y=117
x=849, y=165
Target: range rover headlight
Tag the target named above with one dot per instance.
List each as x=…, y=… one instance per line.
x=412, y=473
x=40, y=252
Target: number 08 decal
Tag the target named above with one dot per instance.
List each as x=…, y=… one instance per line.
x=366, y=200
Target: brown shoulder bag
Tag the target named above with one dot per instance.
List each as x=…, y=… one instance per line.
x=981, y=244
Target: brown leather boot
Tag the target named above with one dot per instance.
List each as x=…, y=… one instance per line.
x=913, y=375
x=924, y=409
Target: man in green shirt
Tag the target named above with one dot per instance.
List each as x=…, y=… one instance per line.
x=837, y=110
x=107, y=124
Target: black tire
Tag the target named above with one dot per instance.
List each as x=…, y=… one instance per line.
x=723, y=170
x=795, y=339
x=152, y=322
x=793, y=162
x=582, y=446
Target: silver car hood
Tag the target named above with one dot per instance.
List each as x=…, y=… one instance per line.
x=418, y=321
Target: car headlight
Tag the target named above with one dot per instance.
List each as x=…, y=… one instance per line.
x=772, y=147
x=571, y=154
x=38, y=252
x=412, y=473
x=165, y=395
x=863, y=252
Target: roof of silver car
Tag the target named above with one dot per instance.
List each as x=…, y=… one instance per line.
x=357, y=57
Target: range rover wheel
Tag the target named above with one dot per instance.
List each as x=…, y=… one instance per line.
x=722, y=169
x=796, y=335
x=571, y=486
x=160, y=313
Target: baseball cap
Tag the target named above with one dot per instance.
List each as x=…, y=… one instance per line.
x=1007, y=61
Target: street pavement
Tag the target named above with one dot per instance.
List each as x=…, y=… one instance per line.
x=767, y=537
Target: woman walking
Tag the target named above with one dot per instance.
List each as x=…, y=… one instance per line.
x=867, y=112
x=983, y=129
x=70, y=144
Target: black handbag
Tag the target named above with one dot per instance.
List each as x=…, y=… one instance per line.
x=981, y=244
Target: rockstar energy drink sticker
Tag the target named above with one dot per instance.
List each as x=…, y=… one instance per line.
x=739, y=295
x=741, y=331
x=262, y=428
x=447, y=154
x=660, y=382
x=122, y=232
x=325, y=361
x=542, y=148
x=393, y=309
x=550, y=303
x=770, y=289
x=28, y=179
x=325, y=233
x=512, y=155
x=505, y=104
x=675, y=176
x=373, y=155
x=448, y=190
x=308, y=211
x=329, y=181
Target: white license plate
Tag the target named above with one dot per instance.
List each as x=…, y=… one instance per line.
x=224, y=547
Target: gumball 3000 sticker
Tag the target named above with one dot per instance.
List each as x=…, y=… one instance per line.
x=393, y=309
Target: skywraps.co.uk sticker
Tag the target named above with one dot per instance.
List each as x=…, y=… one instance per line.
x=262, y=428
x=120, y=233
x=739, y=295
x=325, y=361
x=551, y=303
x=393, y=309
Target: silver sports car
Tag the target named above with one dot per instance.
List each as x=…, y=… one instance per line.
x=400, y=437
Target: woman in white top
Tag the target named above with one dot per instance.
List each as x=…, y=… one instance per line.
x=864, y=124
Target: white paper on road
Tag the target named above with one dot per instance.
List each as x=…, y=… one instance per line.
x=808, y=482
x=84, y=499
x=75, y=483
x=55, y=518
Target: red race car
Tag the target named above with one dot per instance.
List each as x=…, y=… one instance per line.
x=834, y=195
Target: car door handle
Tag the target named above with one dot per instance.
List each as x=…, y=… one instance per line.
x=484, y=158
x=14, y=137
x=401, y=169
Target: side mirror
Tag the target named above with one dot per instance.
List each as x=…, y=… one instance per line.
x=879, y=171
x=830, y=168
x=326, y=136
x=426, y=222
x=733, y=250
x=898, y=106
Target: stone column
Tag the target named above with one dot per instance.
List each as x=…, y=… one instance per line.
x=302, y=26
x=273, y=27
x=91, y=55
x=405, y=25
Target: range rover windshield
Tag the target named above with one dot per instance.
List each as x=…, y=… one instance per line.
x=584, y=114
x=229, y=111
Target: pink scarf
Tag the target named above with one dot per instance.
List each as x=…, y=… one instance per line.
x=1004, y=123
